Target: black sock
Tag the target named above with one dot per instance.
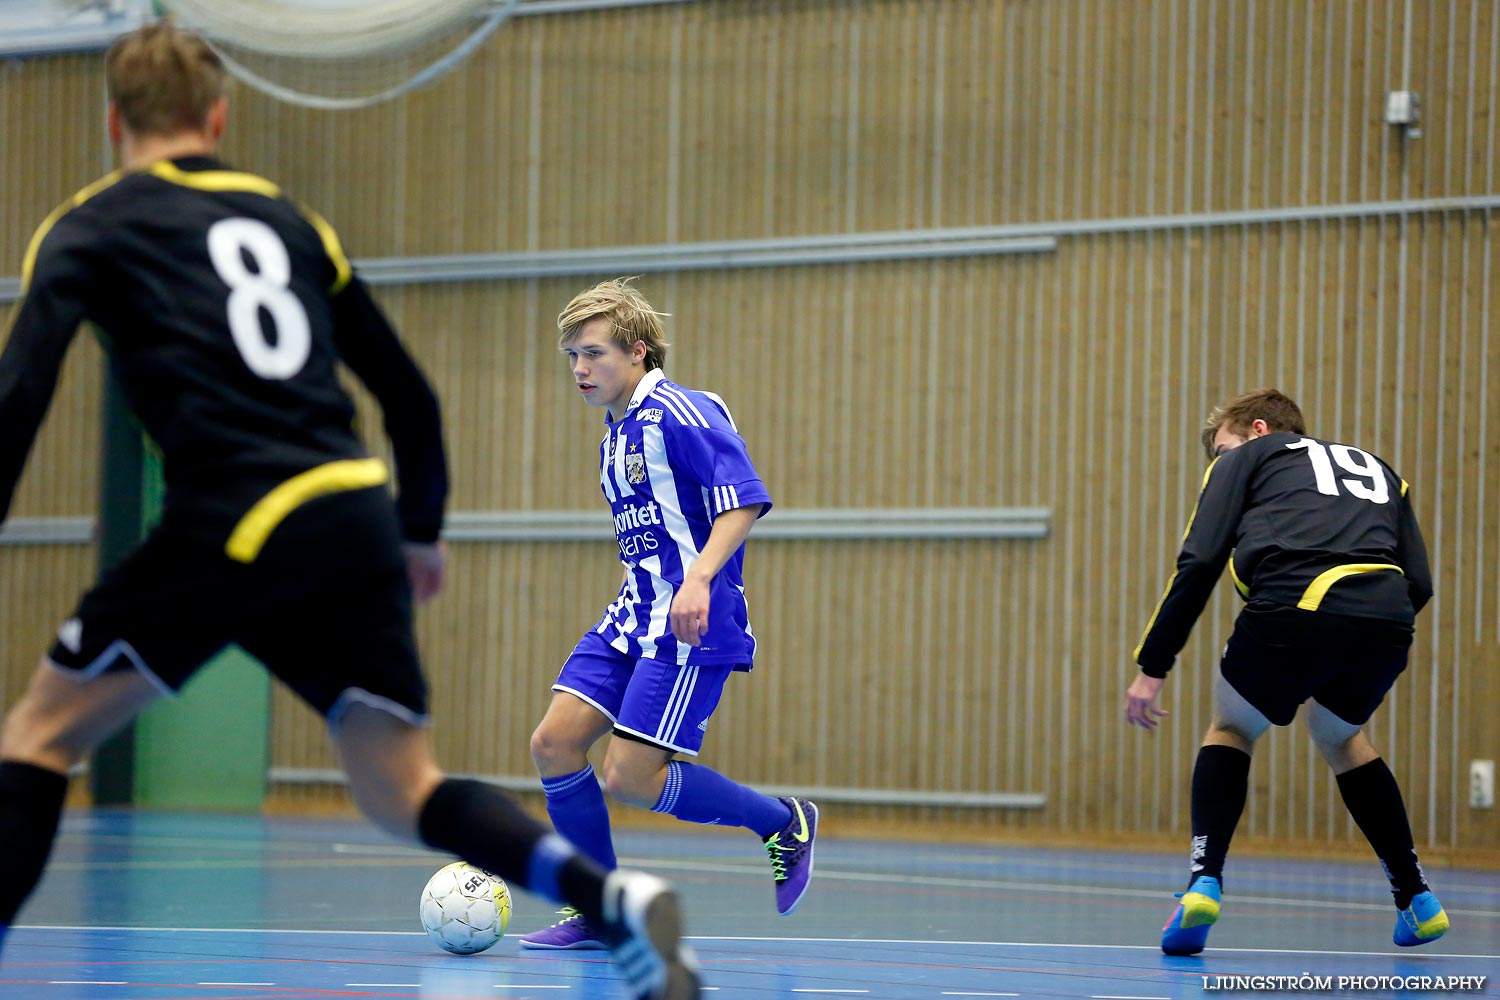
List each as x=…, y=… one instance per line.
x=480, y=823
x=31, y=801
x=1374, y=800
x=1221, y=780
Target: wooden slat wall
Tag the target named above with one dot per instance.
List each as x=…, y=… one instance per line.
x=52, y=142
x=39, y=586
x=1074, y=380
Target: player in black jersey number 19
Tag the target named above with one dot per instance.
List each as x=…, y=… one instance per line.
x=1324, y=548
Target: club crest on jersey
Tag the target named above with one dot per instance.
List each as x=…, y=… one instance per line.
x=635, y=467
x=654, y=416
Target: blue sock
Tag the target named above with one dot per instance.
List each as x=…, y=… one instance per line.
x=698, y=794
x=544, y=867
x=576, y=804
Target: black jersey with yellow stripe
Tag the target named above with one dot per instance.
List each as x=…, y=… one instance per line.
x=225, y=309
x=1303, y=523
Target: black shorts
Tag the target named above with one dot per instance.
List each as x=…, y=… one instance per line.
x=326, y=606
x=1278, y=657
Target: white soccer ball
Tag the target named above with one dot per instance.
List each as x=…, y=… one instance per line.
x=465, y=909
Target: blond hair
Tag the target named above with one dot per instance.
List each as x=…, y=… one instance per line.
x=162, y=79
x=1270, y=405
x=631, y=318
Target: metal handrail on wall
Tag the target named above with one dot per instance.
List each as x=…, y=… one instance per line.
x=829, y=524
x=47, y=531
x=835, y=248
x=308, y=776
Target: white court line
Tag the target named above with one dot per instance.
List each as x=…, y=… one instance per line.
x=399, y=985
x=1056, y=944
x=964, y=993
x=1097, y=996
x=401, y=852
x=756, y=872
x=85, y=982
x=528, y=986
x=236, y=984
x=1050, y=888
x=386, y=851
x=767, y=939
x=225, y=930
x=398, y=851
x=811, y=990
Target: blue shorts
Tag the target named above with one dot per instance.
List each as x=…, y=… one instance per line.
x=651, y=700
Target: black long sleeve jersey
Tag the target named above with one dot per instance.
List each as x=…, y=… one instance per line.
x=224, y=309
x=1303, y=523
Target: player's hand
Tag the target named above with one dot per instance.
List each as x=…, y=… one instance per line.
x=1140, y=702
x=426, y=566
x=689, y=613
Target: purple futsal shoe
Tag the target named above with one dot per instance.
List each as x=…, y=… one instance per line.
x=571, y=933
x=791, y=853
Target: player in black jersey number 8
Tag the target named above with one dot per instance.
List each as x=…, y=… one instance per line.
x=225, y=309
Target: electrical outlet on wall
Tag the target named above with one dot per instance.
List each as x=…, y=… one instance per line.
x=1481, y=784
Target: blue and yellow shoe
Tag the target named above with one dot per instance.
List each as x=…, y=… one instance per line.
x=1187, y=931
x=1421, y=922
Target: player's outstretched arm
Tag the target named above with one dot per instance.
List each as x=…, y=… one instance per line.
x=1411, y=555
x=413, y=420
x=427, y=567
x=1206, y=544
x=1140, y=702
x=42, y=326
x=689, y=613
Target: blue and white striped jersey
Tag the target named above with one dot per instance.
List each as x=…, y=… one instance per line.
x=668, y=467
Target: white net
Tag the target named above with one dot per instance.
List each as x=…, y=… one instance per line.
x=341, y=54
x=331, y=29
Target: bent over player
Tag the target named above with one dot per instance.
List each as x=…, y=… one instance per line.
x=224, y=309
x=1323, y=546
x=684, y=495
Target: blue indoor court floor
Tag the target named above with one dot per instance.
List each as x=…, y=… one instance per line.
x=183, y=907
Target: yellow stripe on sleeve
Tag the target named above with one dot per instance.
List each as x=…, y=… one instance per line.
x=250, y=535
x=1191, y=518
x=1203, y=486
x=1147, y=634
x=1238, y=584
x=334, y=249
x=28, y=262
x=1313, y=596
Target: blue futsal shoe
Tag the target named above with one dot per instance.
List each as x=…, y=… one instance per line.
x=1421, y=922
x=1187, y=931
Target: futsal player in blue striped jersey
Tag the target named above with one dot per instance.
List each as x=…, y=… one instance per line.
x=684, y=495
